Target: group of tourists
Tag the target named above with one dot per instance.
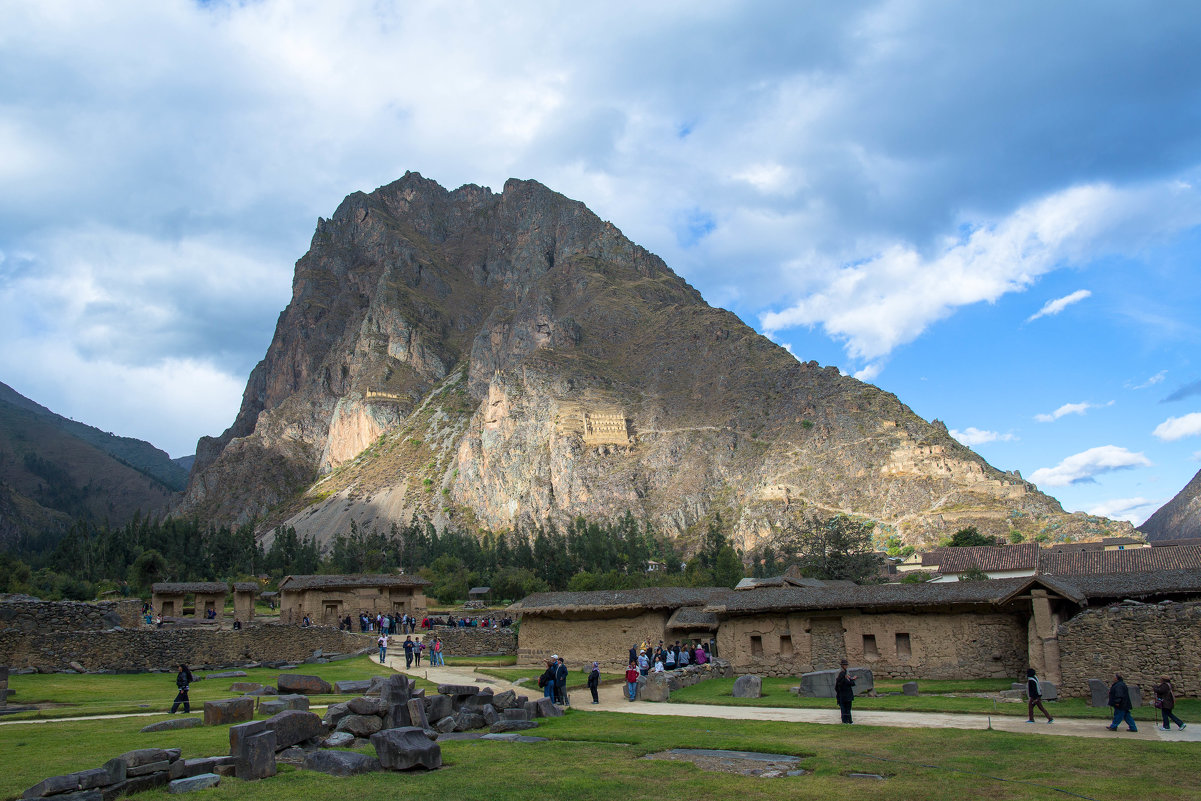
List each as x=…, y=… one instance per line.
x=408, y=624
x=645, y=660
x=1165, y=702
x=413, y=650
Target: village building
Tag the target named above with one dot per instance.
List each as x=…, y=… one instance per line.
x=244, y=594
x=1016, y=561
x=327, y=599
x=170, y=599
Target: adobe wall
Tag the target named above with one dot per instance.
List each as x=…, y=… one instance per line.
x=941, y=645
x=55, y=616
x=146, y=649
x=467, y=641
x=584, y=641
x=1142, y=642
x=294, y=605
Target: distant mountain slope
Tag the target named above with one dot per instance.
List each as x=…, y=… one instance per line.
x=493, y=360
x=1179, y=518
x=50, y=474
x=138, y=454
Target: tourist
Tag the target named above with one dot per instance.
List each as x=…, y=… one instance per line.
x=669, y=659
x=437, y=652
x=1034, y=697
x=305, y=622
x=237, y=624
x=594, y=682
x=701, y=658
x=644, y=664
x=1119, y=699
x=682, y=660
x=844, y=691
x=417, y=652
x=634, y=653
x=547, y=680
x=409, y=647
x=658, y=668
x=632, y=681
x=561, y=682
x=382, y=642
x=182, y=680
x=1165, y=699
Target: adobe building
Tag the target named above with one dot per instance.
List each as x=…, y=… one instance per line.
x=601, y=626
x=327, y=599
x=244, y=594
x=169, y=599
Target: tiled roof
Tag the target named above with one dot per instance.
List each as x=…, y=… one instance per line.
x=185, y=587
x=549, y=603
x=292, y=583
x=1174, y=543
x=988, y=558
x=1135, y=560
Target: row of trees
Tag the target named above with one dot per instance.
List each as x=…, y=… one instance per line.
x=586, y=555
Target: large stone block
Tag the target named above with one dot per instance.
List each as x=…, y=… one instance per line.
x=299, y=683
x=149, y=767
x=446, y=724
x=820, y=683
x=256, y=760
x=273, y=706
x=294, y=726
x=458, y=689
x=516, y=714
x=417, y=716
x=545, y=708
x=1136, y=696
x=239, y=733
x=657, y=689
x=245, y=687
x=395, y=690
x=466, y=720
x=504, y=700
x=194, y=767
x=190, y=784
x=365, y=706
x=360, y=725
x=748, y=687
x=228, y=711
x=438, y=706
x=511, y=725
x=479, y=700
x=334, y=713
x=1098, y=693
x=341, y=763
x=397, y=716
x=228, y=674
x=347, y=687
x=1050, y=691
x=145, y=756
x=406, y=748
x=909, y=688
x=173, y=724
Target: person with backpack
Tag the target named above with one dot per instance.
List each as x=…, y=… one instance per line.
x=1165, y=700
x=1034, y=697
x=1119, y=699
x=547, y=680
x=183, y=679
x=594, y=682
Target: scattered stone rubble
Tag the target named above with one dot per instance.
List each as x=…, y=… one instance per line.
x=659, y=686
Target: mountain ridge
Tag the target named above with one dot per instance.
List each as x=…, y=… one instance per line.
x=497, y=359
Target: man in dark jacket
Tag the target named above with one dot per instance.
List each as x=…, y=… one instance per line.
x=594, y=681
x=561, y=681
x=1119, y=699
x=844, y=692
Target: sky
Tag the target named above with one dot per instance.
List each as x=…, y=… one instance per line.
x=989, y=209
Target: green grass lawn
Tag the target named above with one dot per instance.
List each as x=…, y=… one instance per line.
x=597, y=756
x=776, y=694
x=576, y=679
x=88, y=694
x=499, y=660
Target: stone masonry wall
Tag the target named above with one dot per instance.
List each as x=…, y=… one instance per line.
x=582, y=642
x=1142, y=642
x=56, y=616
x=472, y=642
x=146, y=649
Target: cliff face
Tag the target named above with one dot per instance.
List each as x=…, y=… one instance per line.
x=489, y=359
x=1179, y=518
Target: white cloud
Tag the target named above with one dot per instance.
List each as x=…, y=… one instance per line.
x=1150, y=382
x=1052, y=307
x=1084, y=466
x=1175, y=428
x=1133, y=510
x=1069, y=408
x=869, y=371
x=971, y=436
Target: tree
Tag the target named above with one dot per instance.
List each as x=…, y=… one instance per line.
x=147, y=569
x=973, y=574
x=916, y=577
x=969, y=537
x=835, y=548
x=728, y=569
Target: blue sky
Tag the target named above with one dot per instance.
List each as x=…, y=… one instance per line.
x=989, y=209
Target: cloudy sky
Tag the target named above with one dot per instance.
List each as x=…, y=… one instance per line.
x=990, y=209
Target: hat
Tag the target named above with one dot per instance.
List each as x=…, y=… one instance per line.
x=843, y=662
x=554, y=656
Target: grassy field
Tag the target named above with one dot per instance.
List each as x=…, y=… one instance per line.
x=599, y=756
x=150, y=692
x=481, y=661
x=932, y=699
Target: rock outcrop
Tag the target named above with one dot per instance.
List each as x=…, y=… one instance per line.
x=494, y=359
x=1179, y=518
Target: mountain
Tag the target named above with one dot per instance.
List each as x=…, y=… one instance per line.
x=53, y=469
x=491, y=359
x=1179, y=518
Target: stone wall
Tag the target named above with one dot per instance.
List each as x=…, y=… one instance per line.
x=468, y=641
x=903, y=646
x=147, y=649
x=580, y=642
x=56, y=616
x=1140, y=641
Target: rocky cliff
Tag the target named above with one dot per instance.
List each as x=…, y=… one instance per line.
x=1179, y=518
x=494, y=358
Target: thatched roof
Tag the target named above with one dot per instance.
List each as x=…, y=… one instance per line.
x=692, y=617
x=556, y=603
x=246, y=586
x=185, y=587
x=1139, y=586
x=788, y=581
x=293, y=583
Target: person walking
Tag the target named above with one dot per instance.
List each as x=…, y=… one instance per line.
x=1034, y=697
x=844, y=691
x=561, y=682
x=594, y=682
x=1119, y=699
x=632, y=675
x=183, y=679
x=417, y=650
x=1165, y=699
x=382, y=642
x=437, y=651
x=408, y=652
